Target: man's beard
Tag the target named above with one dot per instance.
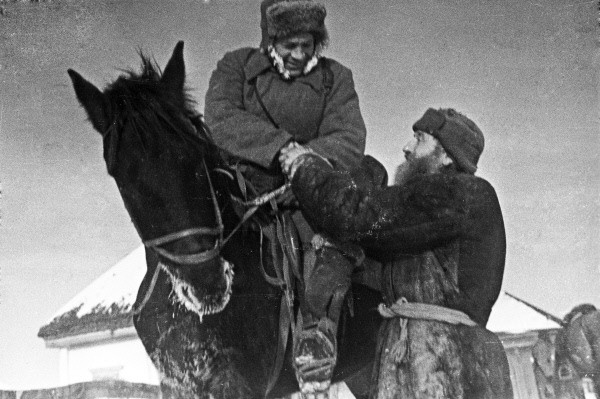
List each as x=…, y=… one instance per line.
x=411, y=168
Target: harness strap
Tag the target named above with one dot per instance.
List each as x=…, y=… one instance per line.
x=137, y=310
x=286, y=271
x=286, y=310
x=182, y=234
x=191, y=259
x=290, y=244
x=247, y=215
x=282, y=338
x=275, y=281
x=241, y=181
x=283, y=272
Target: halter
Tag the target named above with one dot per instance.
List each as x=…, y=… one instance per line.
x=199, y=257
x=186, y=259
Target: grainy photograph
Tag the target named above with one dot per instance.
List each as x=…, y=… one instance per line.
x=299, y=199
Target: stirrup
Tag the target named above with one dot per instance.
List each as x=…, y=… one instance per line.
x=315, y=357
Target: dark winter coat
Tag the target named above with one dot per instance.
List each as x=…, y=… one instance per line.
x=329, y=123
x=582, y=340
x=456, y=216
x=441, y=241
x=578, y=346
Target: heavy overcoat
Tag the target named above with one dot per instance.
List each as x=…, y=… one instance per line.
x=578, y=346
x=326, y=120
x=441, y=240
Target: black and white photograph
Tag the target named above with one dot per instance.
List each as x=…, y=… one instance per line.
x=299, y=199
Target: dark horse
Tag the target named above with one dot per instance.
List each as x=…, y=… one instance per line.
x=206, y=314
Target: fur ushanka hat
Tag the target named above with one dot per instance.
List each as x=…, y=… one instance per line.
x=459, y=135
x=283, y=18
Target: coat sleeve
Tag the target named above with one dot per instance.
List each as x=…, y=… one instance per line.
x=234, y=129
x=391, y=218
x=583, y=342
x=342, y=132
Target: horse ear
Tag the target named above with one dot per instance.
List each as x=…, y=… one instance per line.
x=92, y=100
x=174, y=74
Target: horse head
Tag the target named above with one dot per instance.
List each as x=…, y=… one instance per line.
x=160, y=162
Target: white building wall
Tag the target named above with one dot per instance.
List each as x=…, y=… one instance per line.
x=520, y=360
x=125, y=360
x=63, y=366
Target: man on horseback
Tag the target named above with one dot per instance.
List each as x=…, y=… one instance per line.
x=261, y=100
x=439, y=235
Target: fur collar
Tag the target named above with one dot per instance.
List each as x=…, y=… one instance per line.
x=279, y=64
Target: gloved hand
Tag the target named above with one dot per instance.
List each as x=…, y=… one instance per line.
x=288, y=199
x=290, y=157
x=263, y=181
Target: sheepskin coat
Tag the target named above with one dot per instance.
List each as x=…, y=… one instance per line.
x=329, y=123
x=441, y=241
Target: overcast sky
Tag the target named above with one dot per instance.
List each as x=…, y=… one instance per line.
x=524, y=71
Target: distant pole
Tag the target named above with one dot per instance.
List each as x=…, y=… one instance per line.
x=549, y=316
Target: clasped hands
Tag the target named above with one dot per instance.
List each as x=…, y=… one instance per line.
x=289, y=157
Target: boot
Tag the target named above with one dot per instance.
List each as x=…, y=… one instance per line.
x=315, y=356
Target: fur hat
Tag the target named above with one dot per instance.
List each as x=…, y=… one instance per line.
x=460, y=136
x=283, y=18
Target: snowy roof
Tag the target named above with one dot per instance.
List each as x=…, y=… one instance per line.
x=106, y=305
x=103, y=305
x=511, y=316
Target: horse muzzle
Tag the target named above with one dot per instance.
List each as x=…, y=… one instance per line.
x=204, y=293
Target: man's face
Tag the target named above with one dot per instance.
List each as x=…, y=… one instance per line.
x=424, y=155
x=296, y=51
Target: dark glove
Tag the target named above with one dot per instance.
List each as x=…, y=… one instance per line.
x=288, y=200
x=263, y=180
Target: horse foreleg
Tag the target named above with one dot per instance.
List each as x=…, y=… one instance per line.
x=193, y=363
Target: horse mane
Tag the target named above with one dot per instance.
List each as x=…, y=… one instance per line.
x=142, y=100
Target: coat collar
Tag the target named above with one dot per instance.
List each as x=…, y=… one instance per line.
x=258, y=63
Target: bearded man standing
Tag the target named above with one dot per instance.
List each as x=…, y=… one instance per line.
x=439, y=235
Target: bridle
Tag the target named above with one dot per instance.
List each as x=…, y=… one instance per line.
x=198, y=258
x=201, y=257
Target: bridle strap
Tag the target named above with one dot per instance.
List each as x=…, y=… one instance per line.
x=191, y=259
x=195, y=258
x=213, y=231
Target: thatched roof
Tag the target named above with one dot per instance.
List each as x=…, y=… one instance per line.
x=103, y=305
